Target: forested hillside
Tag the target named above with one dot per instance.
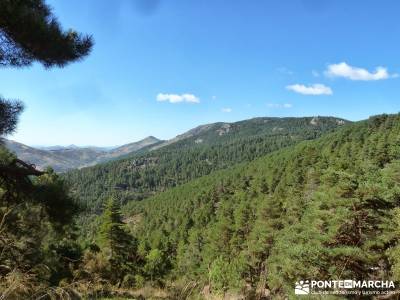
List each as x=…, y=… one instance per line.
x=326, y=209
x=191, y=155
x=259, y=209
x=321, y=209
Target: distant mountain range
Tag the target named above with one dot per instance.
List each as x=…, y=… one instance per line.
x=62, y=158
x=72, y=146
x=65, y=158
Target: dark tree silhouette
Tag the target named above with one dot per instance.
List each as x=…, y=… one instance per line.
x=29, y=32
x=34, y=206
x=9, y=111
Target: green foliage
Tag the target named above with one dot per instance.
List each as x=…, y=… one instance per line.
x=323, y=209
x=37, y=248
x=36, y=243
x=202, y=151
x=118, y=246
x=394, y=252
x=139, y=281
x=154, y=263
x=52, y=194
x=225, y=274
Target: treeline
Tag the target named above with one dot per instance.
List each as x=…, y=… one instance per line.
x=326, y=209
x=203, y=151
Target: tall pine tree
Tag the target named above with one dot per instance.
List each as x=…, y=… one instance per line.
x=119, y=246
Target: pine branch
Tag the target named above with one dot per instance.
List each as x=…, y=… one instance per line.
x=19, y=169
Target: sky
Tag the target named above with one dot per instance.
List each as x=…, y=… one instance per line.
x=162, y=67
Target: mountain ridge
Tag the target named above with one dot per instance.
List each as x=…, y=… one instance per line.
x=195, y=153
x=222, y=128
x=65, y=158
x=62, y=159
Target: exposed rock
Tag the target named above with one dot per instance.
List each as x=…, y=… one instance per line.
x=314, y=121
x=225, y=128
x=143, y=162
x=340, y=122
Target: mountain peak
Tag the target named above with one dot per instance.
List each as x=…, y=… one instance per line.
x=150, y=138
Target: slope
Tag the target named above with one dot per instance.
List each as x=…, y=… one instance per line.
x=192, y=155
x=324, y=209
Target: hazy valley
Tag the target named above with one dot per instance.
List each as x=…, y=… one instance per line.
x=62, y=159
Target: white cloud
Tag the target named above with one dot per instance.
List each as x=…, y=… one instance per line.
x=314, y=89
x=278, y=105
x=174, y=98
x=354, y=73
x=226, y=109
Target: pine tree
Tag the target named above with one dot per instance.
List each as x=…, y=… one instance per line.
x=9, y=112
x=154, y=266
x=33, y=211
x=29, y=32
x=114, y=240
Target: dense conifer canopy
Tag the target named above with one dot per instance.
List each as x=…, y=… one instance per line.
x=325, y=209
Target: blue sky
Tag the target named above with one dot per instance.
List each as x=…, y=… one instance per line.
x=162, y=67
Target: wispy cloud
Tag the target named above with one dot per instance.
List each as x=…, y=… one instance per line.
x=315, y=73
x=175, y=98
x=226, y=110
x=354, y=73
x=284, y=70
x=279, y=105
x=314, y=89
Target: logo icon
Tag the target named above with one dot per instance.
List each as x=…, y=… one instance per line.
x=302, y=287
x=348, y=284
